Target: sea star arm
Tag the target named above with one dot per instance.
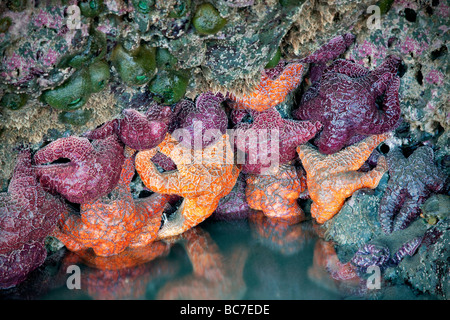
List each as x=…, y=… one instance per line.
x=331, y=50
x=104, y=131
x=149, y=209
x=310, y=157
x=73, y=148
x=433, y=178
x=395, y=159
x=165, y=183
x=409, y=212
x=312, y=92
x=348, y=68
x=190, y=213
x=333, y=138
x=354, y=156
x=330, y=199
x=391, y=202
x=381, y=77
x=23, y=174
x=379, y=121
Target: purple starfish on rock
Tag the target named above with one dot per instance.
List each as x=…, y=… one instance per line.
x=28, y=215
x=136, y=130
x=197, y=125
x=411, y=181
x=93, y=169
x=344, y=100
x=258, y=140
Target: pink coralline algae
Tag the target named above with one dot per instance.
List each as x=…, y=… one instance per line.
x=28, y=215
x=344, y=101
x=193, y=121
x=412, y=181
x=93, y=169
x=411, y=45
x=253, y=138
x=435, y=77
x=136, y=130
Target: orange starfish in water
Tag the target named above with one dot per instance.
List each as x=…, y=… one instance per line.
x=275, y=85
x=202, y=177
x=114, y=222
x=276, y=193
x=333, y=178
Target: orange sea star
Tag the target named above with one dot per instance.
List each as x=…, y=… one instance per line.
x=333, y=178
x=275, y=85
x=112, y=223
x=276, y=193
x=202, y=178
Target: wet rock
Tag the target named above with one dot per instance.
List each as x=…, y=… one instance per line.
x=357, y=222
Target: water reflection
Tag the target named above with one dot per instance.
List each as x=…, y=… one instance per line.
x=122, y=276
x=280, y=235
x=253, y=258
x=330, y=273
x=213, y=276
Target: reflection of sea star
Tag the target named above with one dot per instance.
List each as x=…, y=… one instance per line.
x=202, y=178
x=329, y=271
x=411, y=182
x=92, y=172
x=125, y=275
x=114, y=222
x=333, y=178
x=214, y=275
x=28, y=214
x=280, y=235
x=276, y=194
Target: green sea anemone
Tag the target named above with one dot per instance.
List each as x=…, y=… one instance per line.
x=207, y=19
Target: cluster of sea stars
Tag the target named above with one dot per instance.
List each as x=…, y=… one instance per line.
x=339, y=109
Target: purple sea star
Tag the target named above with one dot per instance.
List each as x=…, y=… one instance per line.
x=262, y=134
x=344, y=101
x=136, y=130
x=193, y=121
x=389, y=250
x=233, y=206
x=92, y=172
x=411, y=182
x=27, y=215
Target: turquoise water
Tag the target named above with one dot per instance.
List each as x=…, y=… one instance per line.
x=217, y=260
